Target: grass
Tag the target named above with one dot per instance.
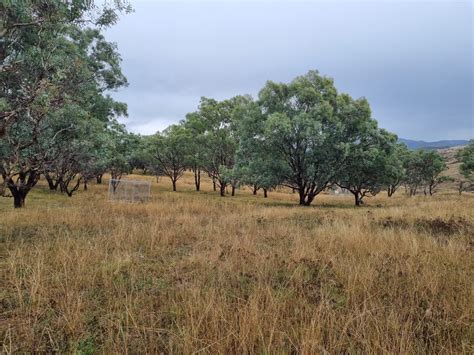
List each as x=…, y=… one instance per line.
x=192, y=272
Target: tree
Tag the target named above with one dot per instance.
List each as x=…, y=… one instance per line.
x=466, y=168
x=117, y=153
x=424, y=169
x=67, y=67
x=170, y=152
x=254, y=163
x=77, y=152
x=34, y=51
x=367, y=163
x=396, y=170
x=433, y=166
x=218, y=137
x=304, y=130
x=196, y=126
x=20, y=167
x=414, y=178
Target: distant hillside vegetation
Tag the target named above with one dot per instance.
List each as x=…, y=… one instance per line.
x=412, y=144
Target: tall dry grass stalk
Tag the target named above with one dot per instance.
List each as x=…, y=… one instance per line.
x=195, y=273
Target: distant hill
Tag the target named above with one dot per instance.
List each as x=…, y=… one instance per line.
x=412, y=144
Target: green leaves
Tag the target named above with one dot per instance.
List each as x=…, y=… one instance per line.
x=303, y=129
x=54, y=114
x=466, y=157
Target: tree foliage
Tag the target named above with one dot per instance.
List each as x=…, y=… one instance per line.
x=466, y=157
x=54, y=76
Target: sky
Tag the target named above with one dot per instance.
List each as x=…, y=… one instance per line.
x=413, y=60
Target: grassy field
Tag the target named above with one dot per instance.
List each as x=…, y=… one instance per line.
x=192, y=272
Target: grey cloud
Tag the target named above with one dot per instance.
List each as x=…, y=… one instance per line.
x=413, y=61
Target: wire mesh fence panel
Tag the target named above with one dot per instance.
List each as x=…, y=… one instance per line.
x=129, y=190
x=337, y=191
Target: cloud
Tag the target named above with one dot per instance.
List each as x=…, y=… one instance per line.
x=413, y=61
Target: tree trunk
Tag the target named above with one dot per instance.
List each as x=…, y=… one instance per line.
x=197, y=179
x=222, y=189
x=233, y=190
x=357, y=199
x=265, y=193
x=255, y=189
x=53, y=186
x=18, y=198
x=98, y=178
x=390, y=191
x=85, y=185
x=214, y=184
x=174, y=184
x=302, y=196
x=19, y=190
x=305, y=198
x=309, y=199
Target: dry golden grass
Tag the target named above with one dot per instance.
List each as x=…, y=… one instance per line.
x=192, y=272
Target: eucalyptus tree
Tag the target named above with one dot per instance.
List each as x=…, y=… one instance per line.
x=78, y=151
x=68, y=67
x=35, y=60
x=117, y=152
x=424, y=170
x=433, y=167
x=137, y=157
x=304, y=130
x=255, y=164
x=368, y=163
x=196, y=127
x=396, y=170
x=414, y=167
x=170, y=151
x=466, y=157
x=219, y=140
x=20, y=163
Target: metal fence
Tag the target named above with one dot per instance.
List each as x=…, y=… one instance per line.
x=129, y=190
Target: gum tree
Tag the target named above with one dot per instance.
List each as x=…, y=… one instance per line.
x=218, y=137
x=55, y=68
x=466, y=168
x=169, y=152
x=424, y=169
x=304, y=130
x=368, y=163
x=33, y=50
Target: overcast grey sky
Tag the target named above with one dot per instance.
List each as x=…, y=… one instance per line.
x=413, y=61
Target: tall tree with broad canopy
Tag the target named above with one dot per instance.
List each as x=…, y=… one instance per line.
x=424, y=169
x=170, y=152
x=254, y=165
x=368, y=162
x=32, y=50
x=69, y=66
x=305, y=129
x=219, y=141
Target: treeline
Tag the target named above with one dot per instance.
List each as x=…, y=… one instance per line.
x=57, y=121
x=303, y=135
